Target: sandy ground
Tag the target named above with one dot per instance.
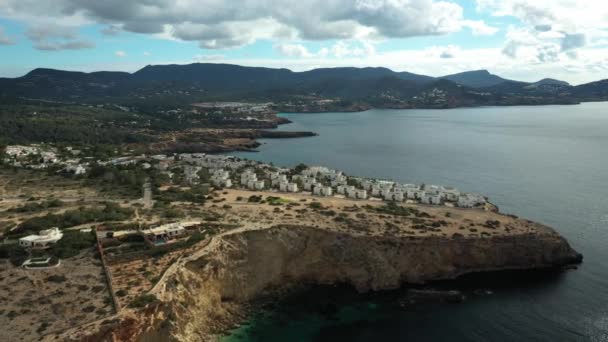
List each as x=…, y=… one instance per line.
x=33, y=306
x=135, y=277
x=354, y=218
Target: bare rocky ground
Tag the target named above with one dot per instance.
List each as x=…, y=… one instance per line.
x=34, y=303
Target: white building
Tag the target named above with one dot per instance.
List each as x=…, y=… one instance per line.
x=292, y=187
x=361, y=194
x=44, y=239
x=398, y=196
x=76, y=169
x=278, y=179
x=221, y=177
x=310, y=183
x=351, y=192
x=259, y=185
x=20, y=150
x=247, y=177
x=320, y=190
x=431, y=197
x=163, y=234
x=451, y=194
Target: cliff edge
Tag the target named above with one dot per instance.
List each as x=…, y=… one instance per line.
x=202, y=295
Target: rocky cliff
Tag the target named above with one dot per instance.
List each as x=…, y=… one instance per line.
x=239, y=267
x=203, y=293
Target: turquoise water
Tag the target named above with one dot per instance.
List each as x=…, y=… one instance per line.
x=549, y=164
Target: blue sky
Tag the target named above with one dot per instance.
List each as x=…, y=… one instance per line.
x=513, y=38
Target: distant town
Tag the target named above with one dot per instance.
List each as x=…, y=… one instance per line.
x=222, y=171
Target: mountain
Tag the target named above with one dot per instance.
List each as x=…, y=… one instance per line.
x=551, y=81
x=179, y=85
x=475, y=79
x=415, y=77
x=592, y=91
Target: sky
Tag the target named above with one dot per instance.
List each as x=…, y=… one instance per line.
x=518, y=39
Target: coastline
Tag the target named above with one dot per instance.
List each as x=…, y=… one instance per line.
x=211, y=290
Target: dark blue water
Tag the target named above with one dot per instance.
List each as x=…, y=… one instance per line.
x=548, y=164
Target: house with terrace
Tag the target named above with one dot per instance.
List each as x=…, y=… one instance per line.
x=44, y=239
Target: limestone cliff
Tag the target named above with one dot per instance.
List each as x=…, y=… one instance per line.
x=202, y=294
x=238, y=267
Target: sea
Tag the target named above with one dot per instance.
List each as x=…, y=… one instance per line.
x=544, y=163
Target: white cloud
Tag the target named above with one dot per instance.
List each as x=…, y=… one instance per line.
x=147, y=54
x=53, y=37
x=479, y=27
x=120, y=54
x=219, y=24
x=294, y=50
x=551, y=29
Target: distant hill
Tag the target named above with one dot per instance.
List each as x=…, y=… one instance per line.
x=551, y=81
x=475, y=79
x=171, y=85
x=593, y=90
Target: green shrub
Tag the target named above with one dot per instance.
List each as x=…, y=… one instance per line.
x=15, y=253
x=110, y=212
x=72, y=243
x=143, y=301
x=56, y=278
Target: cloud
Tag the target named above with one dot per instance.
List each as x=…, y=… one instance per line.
x=570, y=24
x=147, y=54
x=53, y=37
x=120, y=54
x=219, y=24
x=449, y=51
x=550, y=30
x=294, y=50
x=479, y=27
x=58, y=46
x=4, y=39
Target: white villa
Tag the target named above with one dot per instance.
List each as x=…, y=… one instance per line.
x=45, y=239
x=163, y=234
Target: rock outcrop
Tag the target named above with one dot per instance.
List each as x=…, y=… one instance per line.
x=236, y=268
x=203, y=293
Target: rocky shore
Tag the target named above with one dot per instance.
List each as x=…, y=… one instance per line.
x=206, y=293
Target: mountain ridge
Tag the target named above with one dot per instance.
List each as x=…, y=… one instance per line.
x=374, y=86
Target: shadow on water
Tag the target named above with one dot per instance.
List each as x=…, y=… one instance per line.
x=340, y=313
